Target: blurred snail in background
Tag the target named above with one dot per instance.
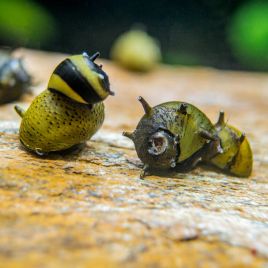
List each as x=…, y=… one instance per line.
x=136, y=50
x=177, y=136
x=70, y=110
x=14, y=79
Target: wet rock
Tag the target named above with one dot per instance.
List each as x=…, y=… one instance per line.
x=90, y=209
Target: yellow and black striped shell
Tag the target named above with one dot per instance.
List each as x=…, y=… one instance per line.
x=70, y=110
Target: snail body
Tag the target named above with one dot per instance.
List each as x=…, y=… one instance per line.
x=173, y=135
x=14, y=79
x=236, y=157
x=70, y=110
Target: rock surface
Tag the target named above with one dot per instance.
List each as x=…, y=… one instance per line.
x=90, y=209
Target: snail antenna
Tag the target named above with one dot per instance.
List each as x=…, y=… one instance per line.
x=94, y=56
x=147, y=108
x=220, y=121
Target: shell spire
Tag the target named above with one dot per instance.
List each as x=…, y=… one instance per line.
x=129, y=135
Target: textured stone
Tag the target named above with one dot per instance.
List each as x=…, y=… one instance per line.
x=90, y=209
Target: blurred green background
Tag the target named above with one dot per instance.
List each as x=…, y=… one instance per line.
x=227, y=34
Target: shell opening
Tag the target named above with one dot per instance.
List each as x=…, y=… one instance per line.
x=158, y=143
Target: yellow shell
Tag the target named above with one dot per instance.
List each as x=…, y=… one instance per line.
x=54, y=122
x=237, y=156
x=136, y=50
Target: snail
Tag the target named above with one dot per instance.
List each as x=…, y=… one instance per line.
x=14, y=79
x=173, y=135
x=136, y=50
x=236, y=157
x=70, y=110
x=177, y=136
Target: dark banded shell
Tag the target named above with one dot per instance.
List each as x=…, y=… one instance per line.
x=76, y=81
